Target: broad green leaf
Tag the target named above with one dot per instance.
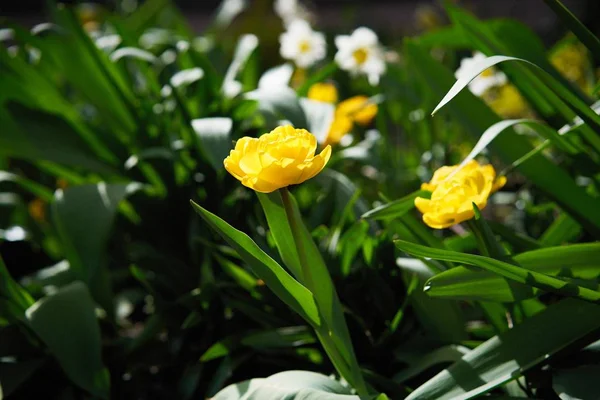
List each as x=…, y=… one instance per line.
x=581, y=261
x=506, y=356
x=422, y=362
x=215, y=138
x=287, y=385
x=83, y=216
x=14, y=373
x=396, y=208
x=586, y=37
x=476, y=117
x=577, y=383
x=66, y=323
x=294, y=294
x=315, y=276
x=515, y=273
x=35, y=135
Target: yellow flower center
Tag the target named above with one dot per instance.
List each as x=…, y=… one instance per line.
x=360, y=56
x=304, y=46
x=488, y=72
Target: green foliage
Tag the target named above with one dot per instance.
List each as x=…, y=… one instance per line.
x=113, y=286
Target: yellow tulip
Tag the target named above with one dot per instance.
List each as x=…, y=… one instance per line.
x=325, y=92
x=453, y=195
x=283, y=157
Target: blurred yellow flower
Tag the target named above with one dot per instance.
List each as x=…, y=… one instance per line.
x=453, y=195
x=507, y=102
x=283, y=157
x=323, y=91
x=356, y=109
x=571, y=60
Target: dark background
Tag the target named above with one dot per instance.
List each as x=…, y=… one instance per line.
x=385, y=16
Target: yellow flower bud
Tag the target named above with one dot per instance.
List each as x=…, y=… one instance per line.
x=453, y=195
x=325, y=92
x=358, y=109
x=283, y=157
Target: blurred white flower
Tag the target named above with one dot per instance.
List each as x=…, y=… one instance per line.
x=302, y=45
x=484, y=81
x=361, y=53
x=290, y=11
x=228, y=10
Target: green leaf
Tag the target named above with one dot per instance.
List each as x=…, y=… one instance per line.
x=575, y=261
x=281, y=232
x=83, y=216
x=421, y=362
x=269, y=339
x=506, y=356
x=32, y=187
x=475, y=117
x=287, y=385
x=488, y=245
x=215, y=139
x=66, y=323
x=14, y=374
x=563, y=230
x=13, y=292
x=38, y=135
x=579, y=29
x=512, y=272
x=577, y=383
x=396, y=208
x=294, y=294
x=315, y=275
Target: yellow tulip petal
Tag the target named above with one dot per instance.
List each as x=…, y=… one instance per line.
x=282, y=157
x=423, y=205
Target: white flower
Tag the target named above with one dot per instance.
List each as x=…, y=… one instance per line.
x=302, y=45
x=290, y=10
x=360, y=53
x=484, y=81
